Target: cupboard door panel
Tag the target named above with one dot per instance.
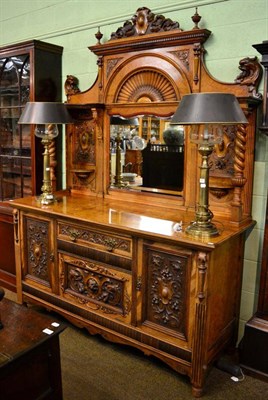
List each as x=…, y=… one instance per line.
x=165, y=306
x=38, y=263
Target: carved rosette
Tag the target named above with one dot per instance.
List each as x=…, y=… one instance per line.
x=37, y=233
x=95, y=286
x=167, y=290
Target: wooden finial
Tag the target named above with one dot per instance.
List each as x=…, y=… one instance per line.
x=196, y=18
x=98, y=36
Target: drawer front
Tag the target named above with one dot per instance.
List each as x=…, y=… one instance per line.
x=100, y=240
x=96, y=286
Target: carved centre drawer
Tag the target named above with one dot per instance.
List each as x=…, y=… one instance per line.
x=94, y=238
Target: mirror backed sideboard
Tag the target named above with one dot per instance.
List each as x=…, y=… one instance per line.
x=115, y=258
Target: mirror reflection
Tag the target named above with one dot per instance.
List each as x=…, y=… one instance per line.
x=147, y=154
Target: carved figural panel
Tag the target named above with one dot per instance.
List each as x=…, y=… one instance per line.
x=94, y=285
x=38, y=255
x=166, y=290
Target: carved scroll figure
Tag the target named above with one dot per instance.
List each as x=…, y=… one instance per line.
x=71, y=86
x=251, y=74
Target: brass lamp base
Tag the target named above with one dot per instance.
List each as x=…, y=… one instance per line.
x=202, y=230
x=46, y=198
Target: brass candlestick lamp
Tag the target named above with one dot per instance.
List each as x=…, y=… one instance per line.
x=46, y=116
x=207, y=113
x=120, y=121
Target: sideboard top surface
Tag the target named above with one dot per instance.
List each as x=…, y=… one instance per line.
x=129, y=218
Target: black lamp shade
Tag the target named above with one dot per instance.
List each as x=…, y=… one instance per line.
x=45, y=113
x=124, y=121
x=209, y=108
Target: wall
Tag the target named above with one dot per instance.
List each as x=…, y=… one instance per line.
x=235, y=26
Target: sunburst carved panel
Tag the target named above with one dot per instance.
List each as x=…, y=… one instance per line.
x=146, y=86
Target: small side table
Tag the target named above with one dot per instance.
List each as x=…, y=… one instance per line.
x=29, y=354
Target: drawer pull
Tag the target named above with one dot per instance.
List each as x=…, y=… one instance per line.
x=110, y=244
x=73, y=234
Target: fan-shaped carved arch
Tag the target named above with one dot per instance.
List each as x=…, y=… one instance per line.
x=146, y=86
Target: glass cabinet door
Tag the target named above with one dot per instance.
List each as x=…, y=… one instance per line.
x=15, y=140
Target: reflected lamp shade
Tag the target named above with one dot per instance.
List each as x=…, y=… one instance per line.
x=209, y=108
x=115, y=120
x=45, y=113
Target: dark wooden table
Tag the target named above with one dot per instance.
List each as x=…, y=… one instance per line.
x=29, y=357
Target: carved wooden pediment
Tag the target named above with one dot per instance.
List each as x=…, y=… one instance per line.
x=145, y=21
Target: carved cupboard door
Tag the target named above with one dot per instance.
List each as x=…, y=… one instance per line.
x=166, y=295
x=38, y=263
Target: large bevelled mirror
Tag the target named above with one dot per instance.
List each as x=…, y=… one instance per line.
x=146, y=154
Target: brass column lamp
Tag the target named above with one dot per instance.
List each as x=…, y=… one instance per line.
x=207, y=113
x=46, y=116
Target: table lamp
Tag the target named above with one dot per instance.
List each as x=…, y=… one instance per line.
x=207, y=113
x=46, y=116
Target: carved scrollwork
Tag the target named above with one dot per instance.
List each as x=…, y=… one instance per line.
x=109, y=242
x=111, y=64
x=143, y=22
x=183, y=56
x=221, y=161
x=251, y=74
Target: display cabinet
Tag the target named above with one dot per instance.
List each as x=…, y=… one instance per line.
x=29, y=71
x=151, y=129
x=117, y=260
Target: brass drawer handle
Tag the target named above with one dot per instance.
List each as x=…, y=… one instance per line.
x=110, y=244
x=73, y=234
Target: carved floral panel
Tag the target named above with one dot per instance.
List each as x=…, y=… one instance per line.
x=166, y=291
x=37, y=234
